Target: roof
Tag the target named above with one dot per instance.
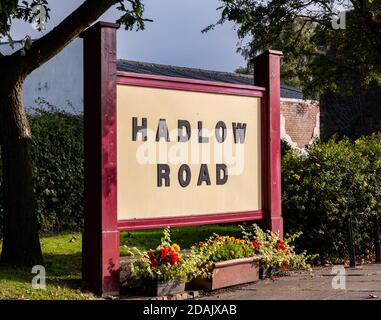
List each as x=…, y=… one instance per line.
x=287, y=92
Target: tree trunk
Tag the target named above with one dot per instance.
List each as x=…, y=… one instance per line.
x=21, y=244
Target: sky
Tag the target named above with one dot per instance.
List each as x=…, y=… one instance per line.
x=173, y=38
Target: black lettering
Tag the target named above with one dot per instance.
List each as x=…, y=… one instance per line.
x=239, y=132
x=201, y=139
x=162, y=131
x=204, y=175
x=220, y=125
x=181, y=125
x=184, y=169
x=139, y=129
x=163, y=173
x=221, y=180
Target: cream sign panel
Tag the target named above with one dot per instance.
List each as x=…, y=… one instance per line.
x=184, y=153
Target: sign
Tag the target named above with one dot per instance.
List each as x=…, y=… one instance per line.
x=166, y=151
x=177, y=146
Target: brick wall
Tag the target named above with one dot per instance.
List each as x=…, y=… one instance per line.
x=300, y=122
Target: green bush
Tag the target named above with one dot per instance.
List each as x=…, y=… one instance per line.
x=332, y=181
x=57, y=155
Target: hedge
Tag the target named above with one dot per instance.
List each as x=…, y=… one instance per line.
x=334, y=180
x=57, y=153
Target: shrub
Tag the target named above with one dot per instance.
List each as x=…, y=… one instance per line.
x=57, y=155
x=332, y=181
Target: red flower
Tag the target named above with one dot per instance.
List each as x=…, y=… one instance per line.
x=280, y=245
x=285, y=265
x=154, y=262
x=256, y=243
x=287, y=253
x=152, y=259
x=174, y=258
x=164, y=252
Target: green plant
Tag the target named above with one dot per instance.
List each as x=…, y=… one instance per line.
x=276, y=252
x=165, y=262
x=333, y=180
x=57, y=155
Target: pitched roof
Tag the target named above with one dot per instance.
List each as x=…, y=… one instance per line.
x=199, y=74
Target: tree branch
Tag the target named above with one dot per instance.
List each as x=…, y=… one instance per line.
x=57, y=39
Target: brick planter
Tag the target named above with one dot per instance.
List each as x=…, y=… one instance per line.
x=229, y=273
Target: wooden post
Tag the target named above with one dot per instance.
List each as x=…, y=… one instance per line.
x=100, y=250
x=267, y=74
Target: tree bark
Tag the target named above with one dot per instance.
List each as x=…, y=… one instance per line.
x=21, y=244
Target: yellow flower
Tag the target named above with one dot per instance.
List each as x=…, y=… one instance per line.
x=243, y=241
x=318, y=165
x=175, y=247
x=296, y=176
x=231, y=238
x=358, y=141
x=365, y=184
x=231, y=252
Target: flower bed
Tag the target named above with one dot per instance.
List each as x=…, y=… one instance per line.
x=218, y=262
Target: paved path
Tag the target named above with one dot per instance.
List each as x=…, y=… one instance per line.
x=361, y=283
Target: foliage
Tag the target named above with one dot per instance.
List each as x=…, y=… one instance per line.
x=165, y=262
x=285, y=147
x=57, y=154
x=275, y=252
x=317, y=57
x=333, y=181
x=11, y=10
x=18, y=10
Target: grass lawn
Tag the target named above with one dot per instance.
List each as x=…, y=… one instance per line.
x=62, y=261
x=185, y=237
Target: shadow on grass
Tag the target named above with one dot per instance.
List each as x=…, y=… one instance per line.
x=62, y=270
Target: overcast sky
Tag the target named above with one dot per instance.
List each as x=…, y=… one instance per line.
x=173, y=38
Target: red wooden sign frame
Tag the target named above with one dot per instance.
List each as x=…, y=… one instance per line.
x=101, y=265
